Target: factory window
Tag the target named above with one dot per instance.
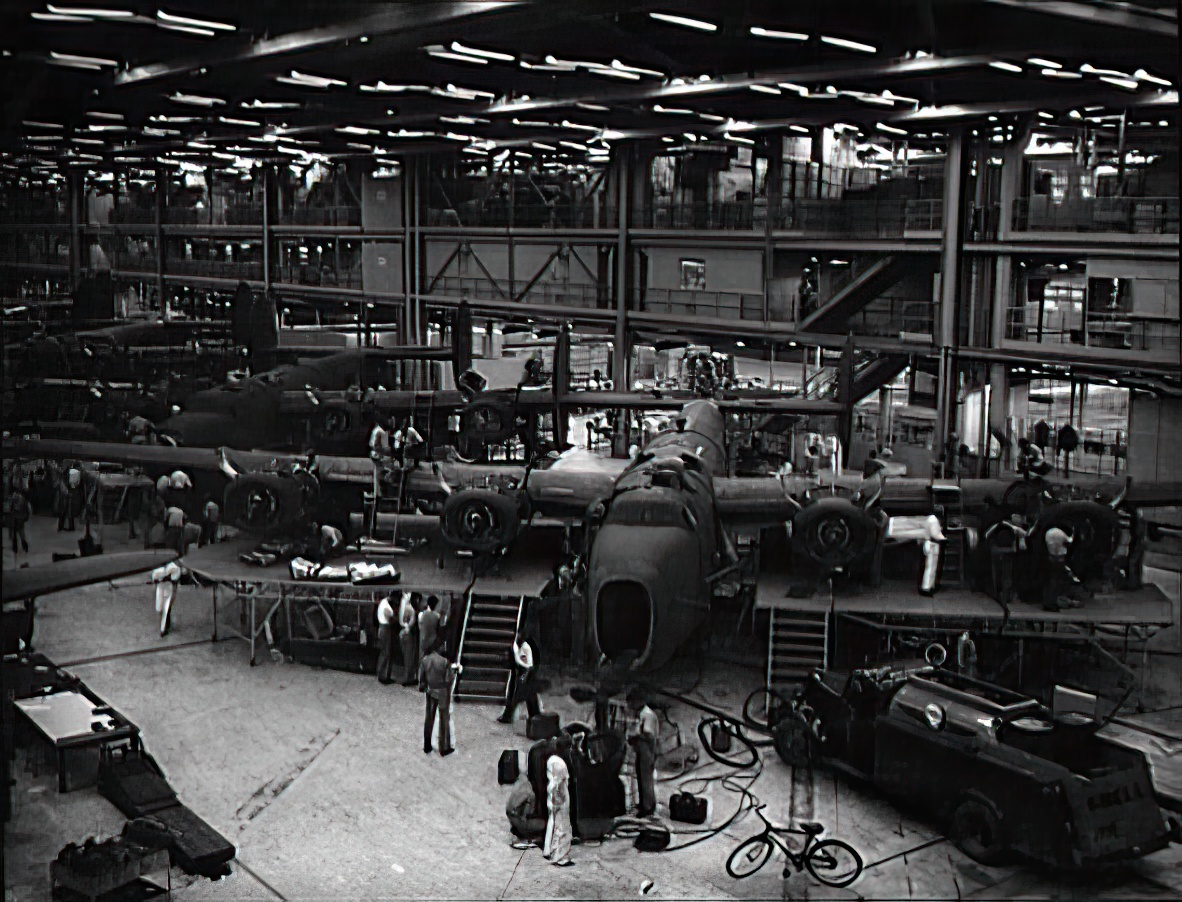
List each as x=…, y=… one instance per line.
x=693, y=275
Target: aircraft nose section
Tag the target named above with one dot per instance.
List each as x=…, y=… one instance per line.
x=623, y=619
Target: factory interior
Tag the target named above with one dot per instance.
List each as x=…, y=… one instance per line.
x=737, y=433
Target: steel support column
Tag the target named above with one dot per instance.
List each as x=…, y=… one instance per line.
x=1003, y=289
x=74, y=190
x=158, y=234
x=951, y=251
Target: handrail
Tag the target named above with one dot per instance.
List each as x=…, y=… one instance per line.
x=516, y=633
x=464, y=629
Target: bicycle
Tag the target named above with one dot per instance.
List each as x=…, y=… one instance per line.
x=831, y=861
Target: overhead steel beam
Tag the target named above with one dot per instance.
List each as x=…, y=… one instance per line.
x=1105, y=14
x=395, y=18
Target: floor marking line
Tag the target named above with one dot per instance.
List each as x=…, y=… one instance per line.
x=920, y=847
x=501, y=894
x=134, y=652
x=278, y=895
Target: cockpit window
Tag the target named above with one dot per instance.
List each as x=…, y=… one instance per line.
x=643, y=509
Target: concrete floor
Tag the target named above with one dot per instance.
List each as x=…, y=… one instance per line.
x=319, y=779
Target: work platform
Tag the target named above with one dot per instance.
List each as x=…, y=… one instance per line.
x=265, y=592
x=1147, y=606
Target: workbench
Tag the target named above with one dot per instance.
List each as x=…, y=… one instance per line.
x=77, y=725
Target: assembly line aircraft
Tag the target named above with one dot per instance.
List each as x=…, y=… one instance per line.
x=658, y=527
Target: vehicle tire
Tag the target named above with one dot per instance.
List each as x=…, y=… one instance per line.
x=749, y=857
x=834, y=862
x=833, y=532
x=976, y=830
x=793, y=738
x=479, y=521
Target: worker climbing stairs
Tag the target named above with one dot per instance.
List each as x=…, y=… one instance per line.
x=486, y=648
x=796, y=647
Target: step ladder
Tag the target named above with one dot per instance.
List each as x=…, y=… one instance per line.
x=486, y=648
x=797, y=641
x=948, y=505
x=376, y=501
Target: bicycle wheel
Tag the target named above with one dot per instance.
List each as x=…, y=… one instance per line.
x=749, y=857
x=834, y=863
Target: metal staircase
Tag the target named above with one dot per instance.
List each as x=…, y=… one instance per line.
x=796, y=647
x=486, y=648
x=947, y=503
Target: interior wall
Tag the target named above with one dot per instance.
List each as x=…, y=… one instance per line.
x=1155, y=435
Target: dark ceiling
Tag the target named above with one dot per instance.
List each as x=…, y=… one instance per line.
x=126, y=83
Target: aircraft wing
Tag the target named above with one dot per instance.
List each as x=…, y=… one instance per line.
x=676, y=400
x=152, y=457
x=299, y=401
x=572, y=482
x=754, y=501
x=31, y=582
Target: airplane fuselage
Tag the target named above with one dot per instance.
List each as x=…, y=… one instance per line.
x=656, y=542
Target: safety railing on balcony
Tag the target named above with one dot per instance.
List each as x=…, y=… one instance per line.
x=715, y=304
x=852, y=216
x=888, y=317
x=1137, y=215
x=588, y=213
x=214, y=269
x=343, y=215
x=33, y=214
x=566, y=294
x=1113, y=331
x=327, y=278
x=132, y=215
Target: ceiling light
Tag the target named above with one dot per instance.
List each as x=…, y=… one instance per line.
x=848, y=45
x=684, y=21
x=675, y=111
x=257, y=104
x=1129, y=83
x=738, y=139
x=1092, y=70
x=765, y=89
x=382, y=88
x=188, y=29
x=799, y=89
x=440, y=53
x=302, y=79
x=54, y=17
x=88, y=62
x=782, y=35
x=98, y=114
x=248, y=123
x=597, y=107
x=639, y=70
x=615, y=73
x=92, y=13
x=1057, y=73
x=476, y=51
x=34, y=123
x=195, y=99
x=1045, y=115
x=799, y=128
x=1142, y=75
x=1046, y=64
x=356, y=130
x=1005, y=67
x=883, y=127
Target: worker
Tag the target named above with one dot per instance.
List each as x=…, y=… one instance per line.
x=385, y=616
x=1031, y=461
x=408, y=636
x=167, y=579
x=179, y=481
x=141, y=431
x=163, y=484
x=379, y=442
x=429, y=622
x=1006, y=538
x=211, y=517
x=558, y=829
x=19, y=511
x=69, y=497
x=524, y=685
x=407, y=444
x=332, y=542
x=437, y=677
x=520, y=810
x=643, y=739
x=174, y=528
x=1058, y=578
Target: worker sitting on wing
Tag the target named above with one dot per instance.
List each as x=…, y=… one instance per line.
x=324, y=542
x=141, y=431
x=407, y=444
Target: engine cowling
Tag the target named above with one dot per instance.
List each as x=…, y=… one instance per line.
x=269, y=502
x=480, y=521
x=833, y=534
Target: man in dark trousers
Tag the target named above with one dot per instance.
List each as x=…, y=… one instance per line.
x=429, y=621
x=408, y=636
x=644, y=741
x=524, y=688
x=438, y=676
x=19, y=511
x=385, y=617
